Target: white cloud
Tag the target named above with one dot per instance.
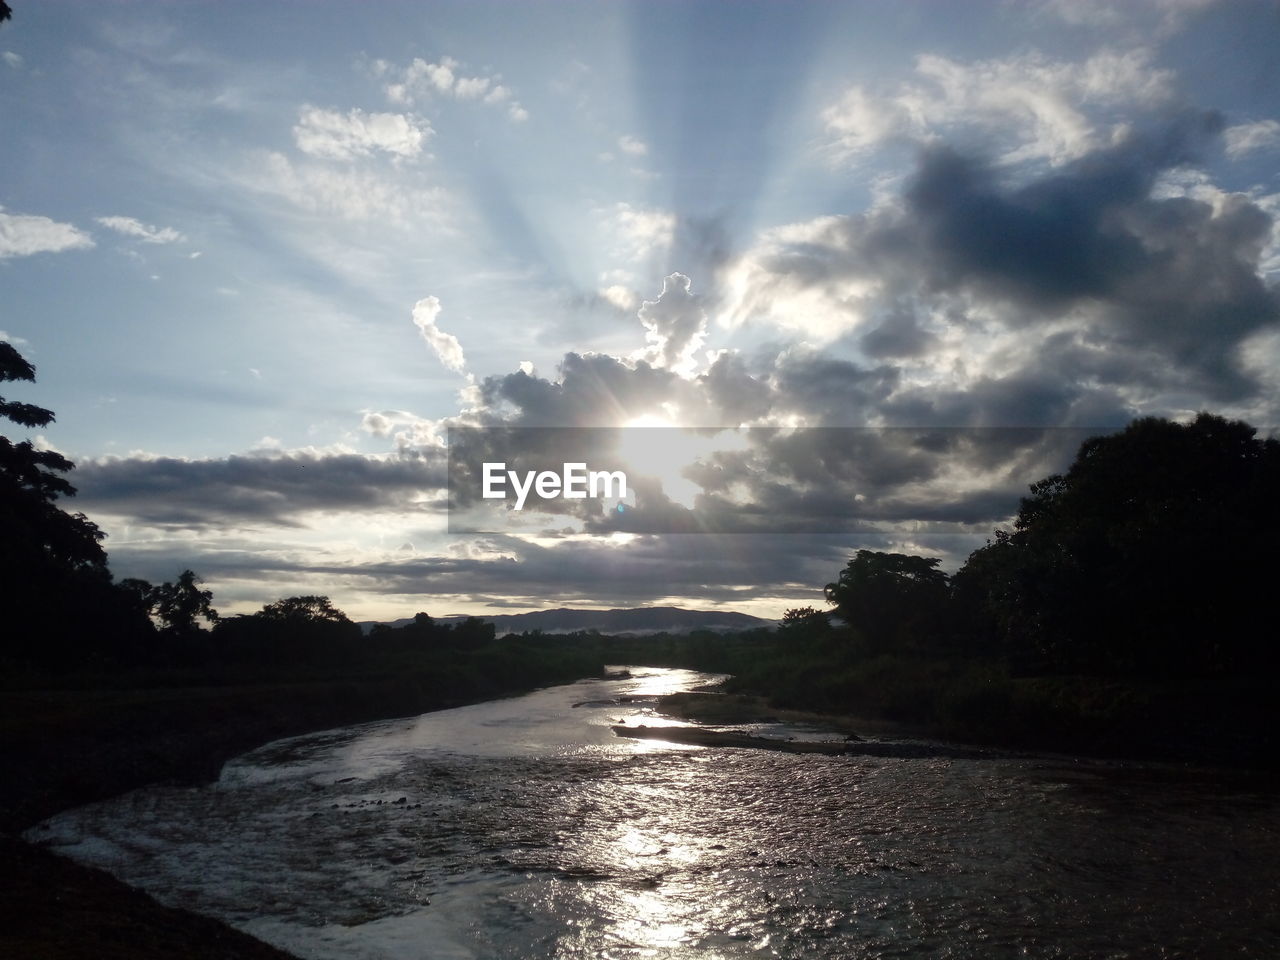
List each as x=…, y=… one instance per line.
x=440, y=74
x=859, y=121
x=629, y=144
x=1246, y=137
x=349, y=194
x=22, y=235
x=675, y=325
x=12, y=59
x=1047, y=109
x=445, y=345
x=377, y=424
x=337, y=136
x=422, y=80
x=624, y=298
x=143, y=231
x=818, y=305
x=1154, y=17
x=470, y=88
x=638, y=233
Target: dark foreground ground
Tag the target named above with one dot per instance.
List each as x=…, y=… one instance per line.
x=60, y=749
x=55, y=909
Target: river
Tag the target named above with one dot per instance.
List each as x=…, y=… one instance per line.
x=524, y=828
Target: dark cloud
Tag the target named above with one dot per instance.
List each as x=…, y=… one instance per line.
x=1174, y=274
x=762, y=480
x=1101, y=283
x=830, y=391
x=271, y=489
x=733, y=395
x=646, y=570
x=593, y=390
x=898, y=335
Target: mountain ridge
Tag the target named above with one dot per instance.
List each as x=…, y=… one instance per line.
x=617, y=620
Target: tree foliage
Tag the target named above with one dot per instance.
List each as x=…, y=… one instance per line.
x=1148, y=556
x=34, y=528
x=309, y=609
x=54, y=581
x=805, y=623
x=180, y=605
x=893, y=601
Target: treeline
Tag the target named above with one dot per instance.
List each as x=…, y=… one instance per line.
x=64, y=619
x=1127, y=610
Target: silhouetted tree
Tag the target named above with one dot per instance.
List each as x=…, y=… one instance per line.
x=31, y=521
x=181, y=604
x=308, y=609
x=1149, y=556
x=473, y=631
x=805, y=622
x=893, y=601
x=293, y=630
x=54, y=581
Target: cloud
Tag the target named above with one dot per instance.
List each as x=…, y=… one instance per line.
x=675, y=325
x=1246, y=137
x=413, y=434
x=638, y=233
x=630, y=145
x=1159, y=17
x=22, y=235
x=351, y=194
x=591, y=390
x=14, y=60
x=621, y=297
x=1152, y=297
x=422, y=80
x=338, y=136
x=377, y=424
x=265, y=487
x=469, y=88
x=143, y=231
x=506, y=571
x=1036, y=108
x=445, y=345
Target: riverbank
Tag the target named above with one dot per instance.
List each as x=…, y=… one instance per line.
x=1072, y=716
x=1216, y=721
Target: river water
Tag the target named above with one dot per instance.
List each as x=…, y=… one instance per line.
x=524, y=828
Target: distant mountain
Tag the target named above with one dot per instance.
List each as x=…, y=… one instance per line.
x=637, y=620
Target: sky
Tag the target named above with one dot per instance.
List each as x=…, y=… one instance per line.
x=266, y=256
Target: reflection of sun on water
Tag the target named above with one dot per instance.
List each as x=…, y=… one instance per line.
x=654, y=902
x=652, y=915
x=648, y=921
x=644, y=687
x=661, y=683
